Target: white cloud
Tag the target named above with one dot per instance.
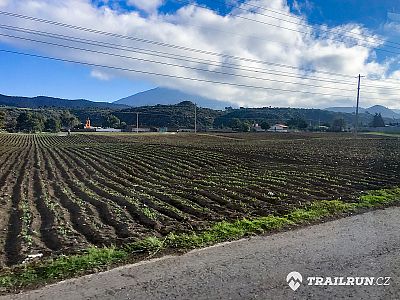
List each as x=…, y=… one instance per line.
x=146, y=5
x=230, y=35
x=100, y=75
x=3, y=3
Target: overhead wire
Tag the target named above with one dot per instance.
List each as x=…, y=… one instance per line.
x=167, y=75
x=163, y=44
x=314, y=26
x=183, y=48
x=114, y=46
x=176, y=65
x=158, y=43
x=167, y=55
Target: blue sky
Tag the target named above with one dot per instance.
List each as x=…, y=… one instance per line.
x=31, y=76
x=27, y=76
x=370, y=13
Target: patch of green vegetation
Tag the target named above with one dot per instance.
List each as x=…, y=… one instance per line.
x=149, y=244
x=395, y=134
x=379, y=197
x=318, y=210
x=151, y=214
x=225, y=231
x=63, y=267
x=99, y=258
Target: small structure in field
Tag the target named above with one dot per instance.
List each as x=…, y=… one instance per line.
x=257, y=128
x=133, y=128
x=87, y=125
x=278, y=128
x=185, y=130
x=108, y=130
x=162, y=129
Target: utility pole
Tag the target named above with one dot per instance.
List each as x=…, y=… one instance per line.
x=137, y=122
x=195, y=118
x=358, y=105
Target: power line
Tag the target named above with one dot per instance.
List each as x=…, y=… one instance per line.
x=299, y=31
x=168, y=75
x=304, y=32
x=395, y=81
x=165, y=54
x=45, y=21
x=163, y=44
x=181, y=66
x=314, y=27
x=176, y=65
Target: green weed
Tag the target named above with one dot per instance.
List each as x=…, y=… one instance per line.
x=96, y=258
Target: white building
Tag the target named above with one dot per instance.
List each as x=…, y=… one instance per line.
x=257, y=128
x=99, y=129
x=278, y=128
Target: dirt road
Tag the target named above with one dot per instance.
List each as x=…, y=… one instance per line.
x=256, y=268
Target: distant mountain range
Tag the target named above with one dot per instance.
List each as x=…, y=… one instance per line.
x=384, y=111
x=159, y=96
x=166, y=96
x=43, y=102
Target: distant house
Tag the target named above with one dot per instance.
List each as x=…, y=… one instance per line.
x=278, y=128
x=185, y=130
x=108, y=130
x=132, y=128
x=162, y=129
x=322, y=128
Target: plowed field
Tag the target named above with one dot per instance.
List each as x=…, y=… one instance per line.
x=61, y=194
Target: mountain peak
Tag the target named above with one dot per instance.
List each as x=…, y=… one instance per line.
x=375, y=109
x=167, y=96
x=384, y=111
x=185, y=103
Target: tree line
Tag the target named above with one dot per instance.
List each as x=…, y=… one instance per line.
x=179, y=116
x=31, y=121
x=49, y=120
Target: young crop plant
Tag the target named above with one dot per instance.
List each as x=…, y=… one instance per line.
x=104, y=189
x=26, y=224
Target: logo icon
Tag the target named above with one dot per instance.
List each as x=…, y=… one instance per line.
x=294, y=279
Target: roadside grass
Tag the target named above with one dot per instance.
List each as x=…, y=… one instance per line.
x=393, y=134
x=95, y=259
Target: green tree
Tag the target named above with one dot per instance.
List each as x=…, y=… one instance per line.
x=111, y=121
x=236, y=124
x=245, y=126
x=52, y=124
x=68, y=120
x=265, y=125
x=338, y=125
x=11, y=125
x=123, y=125
x=297, y=123
x=377, y=121
x=30, y=122
x=2, y=119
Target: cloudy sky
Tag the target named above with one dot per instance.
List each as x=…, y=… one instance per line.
x=298, y=53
